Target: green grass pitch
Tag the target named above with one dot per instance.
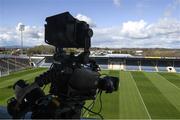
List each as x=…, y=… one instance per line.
x=141, y=95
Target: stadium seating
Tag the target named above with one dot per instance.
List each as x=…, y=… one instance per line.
x=148, y=68
x=148, y=65
x=103, y=66
x=132, y=67
x=12, y=63
x=130, y=63
x=177, y=66
x=177, y=69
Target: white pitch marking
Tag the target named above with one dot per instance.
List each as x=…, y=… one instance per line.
x=140, y=97
x=169, y=82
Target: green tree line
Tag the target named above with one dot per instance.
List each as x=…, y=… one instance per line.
x=41, y=49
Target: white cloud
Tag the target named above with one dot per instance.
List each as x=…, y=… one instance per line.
x=5, y=36
x=117, y=2
x=33, y=32
x=86, y=19
x=163, y=33
x=32, y=35
x=135, y=29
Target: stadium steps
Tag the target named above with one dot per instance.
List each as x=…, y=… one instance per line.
x=13, y=64
x=1, y=68
x=19, y=63
x=43, y=63
x=40, y=62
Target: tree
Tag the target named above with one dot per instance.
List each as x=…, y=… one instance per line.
x=42, y=49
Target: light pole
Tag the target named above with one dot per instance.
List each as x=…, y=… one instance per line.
x=21, y=29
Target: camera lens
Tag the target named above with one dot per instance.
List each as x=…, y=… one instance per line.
x=90, y=33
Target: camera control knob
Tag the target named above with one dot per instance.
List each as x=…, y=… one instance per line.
x=90, y=33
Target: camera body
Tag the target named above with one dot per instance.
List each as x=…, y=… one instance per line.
x=65, y=31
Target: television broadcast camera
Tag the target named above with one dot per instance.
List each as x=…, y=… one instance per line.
x=73, y=78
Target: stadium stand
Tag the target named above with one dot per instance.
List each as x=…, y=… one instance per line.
x=177, y=66
x=131, y=65
x=11, y=63
x=128, y=62
x=148, y=65
x=162, y=66
x=41, y=60
x=46, y=62
x=103, y=66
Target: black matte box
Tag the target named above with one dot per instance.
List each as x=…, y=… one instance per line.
x=61, y=31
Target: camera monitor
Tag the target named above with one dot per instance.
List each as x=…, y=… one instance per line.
x=65, y=31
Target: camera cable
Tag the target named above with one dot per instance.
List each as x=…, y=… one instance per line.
x=86, y=108
x=90, y=106
x=100, y=101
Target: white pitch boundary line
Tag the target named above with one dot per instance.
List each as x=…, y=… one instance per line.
x=168, y=81
x=140, y=96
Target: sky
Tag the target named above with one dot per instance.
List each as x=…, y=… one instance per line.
x=115, y=23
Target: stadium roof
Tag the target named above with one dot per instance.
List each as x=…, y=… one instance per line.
x=118, y=55
x=12, y=56
x=114, y=55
